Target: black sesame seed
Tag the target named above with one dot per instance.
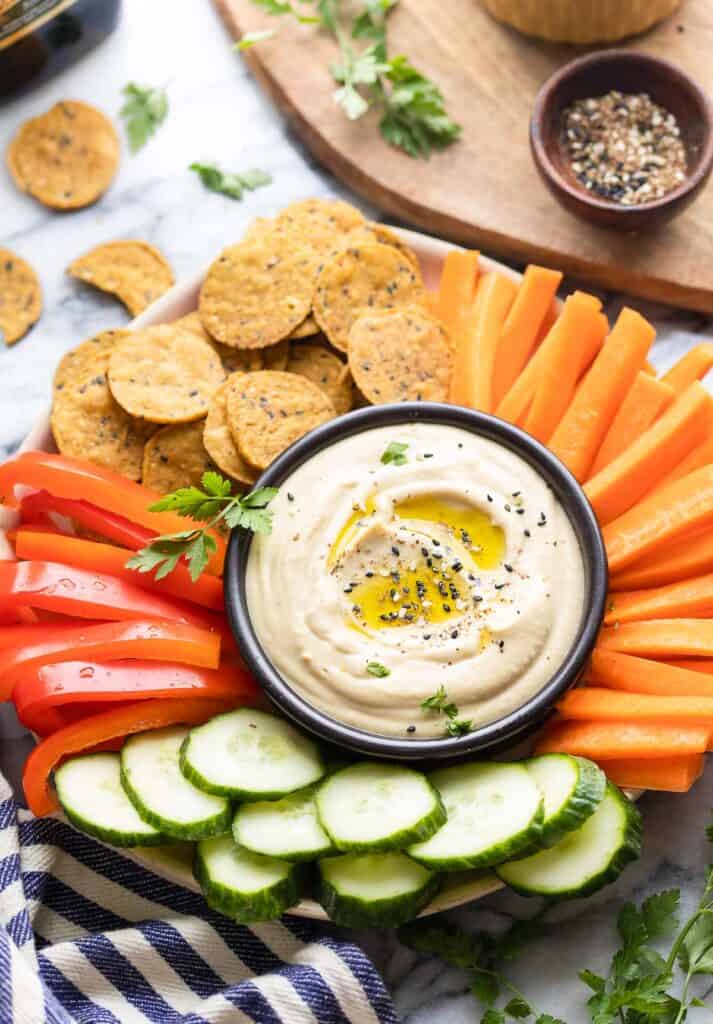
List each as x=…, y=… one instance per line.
x=290, y=497
x=410, y=728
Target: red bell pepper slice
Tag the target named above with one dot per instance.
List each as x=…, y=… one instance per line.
x=73, y=684
x=88, y=554
x=28, y=633
x=101, y=728
x=41, y=508
x=74, y=478
x=107, y=641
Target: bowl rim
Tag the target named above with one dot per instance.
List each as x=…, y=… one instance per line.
x=511, y=727
x=619, y=55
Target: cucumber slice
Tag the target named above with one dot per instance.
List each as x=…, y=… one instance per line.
x=372, y=806
x=494, y=812
x=572, y=787
x=287, y=828
x=90, y=792
x=162, y=796
x=245, y=885
x=250, y=755
x=360, y=890
x=584, y=860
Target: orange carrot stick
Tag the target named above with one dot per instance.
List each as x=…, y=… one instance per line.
x=684, y=558
x=514, y=406
x=636, y=470
x=693, y=366
x=594, y=704
x=683, y=507
x=650, y=369
x=699, y=456
x=661, y=638
x=667, y=774
x=642, y=675
x=607, y=740
x=647, y=397
x=584, y=426
x=456, y=294
x=432, y=302
x=532, y=306
x=686, y=599
x=472, y=380
x=696, y=665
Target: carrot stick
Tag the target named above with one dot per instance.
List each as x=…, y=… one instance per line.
x=661, y=638
x=696, y=665
x=432, y=302
x=514, y=406
x=456, y=295
x=686, y=599
x=641, y=675
x=647, y=397
x=684, y=558
x=548, y=322
x=532, y=305
x=680, y=508
x=636, y=470
x=472, y=380
x=650, y=369
x=592, y=703
x=674, y=774
x=573, y=347
x=607, y=740
x=584, y=426
x=699, y=456
x=693, y=366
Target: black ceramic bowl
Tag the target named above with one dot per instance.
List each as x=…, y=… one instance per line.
x=496, y=735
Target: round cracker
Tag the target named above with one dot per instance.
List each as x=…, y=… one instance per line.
x=326, y=370
x=87, y=422
x=307, y=329
x=67, y=157
x=269, y=410
x=234, y=360
x=20, y=297
x=276, y=356
x=175, y=457
x=136, y=272
x=359, y=279
x=257, y=292
x=319, y=223
x=165, y=374
x=218, y=440
x=372, y=231
x=401, y=355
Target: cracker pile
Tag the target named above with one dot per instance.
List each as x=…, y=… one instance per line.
x=311, y=314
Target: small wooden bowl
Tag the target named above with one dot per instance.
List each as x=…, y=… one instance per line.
x=630, y=72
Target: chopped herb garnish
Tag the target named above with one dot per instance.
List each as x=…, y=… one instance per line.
x=233, y=185
x=144, y=109
x=458, y=726
x=439, y=702
x=375, y=668
x=395, y=454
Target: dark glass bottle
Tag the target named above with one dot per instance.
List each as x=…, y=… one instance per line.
x=40, y=37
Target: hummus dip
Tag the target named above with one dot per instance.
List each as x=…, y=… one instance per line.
x=449, y=569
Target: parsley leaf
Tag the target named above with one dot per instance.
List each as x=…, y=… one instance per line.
x=251, y=38
x=415, y=118
x=438, y=701
x=375, y=668
x=211, y=504
x=458, y=726
x=517, y=1008
x=227, y=184
x=144, y=109
x=395, y=453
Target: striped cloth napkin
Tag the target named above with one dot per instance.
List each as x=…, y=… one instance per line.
x=88, y=936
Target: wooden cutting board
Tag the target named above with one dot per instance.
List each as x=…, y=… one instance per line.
x=484, y=191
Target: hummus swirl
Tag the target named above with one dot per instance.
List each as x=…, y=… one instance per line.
x=382, y=583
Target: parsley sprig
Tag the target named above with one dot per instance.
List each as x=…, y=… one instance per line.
x=412, y=107
x=144, y=109
x=439, y=702
x=212, y=505
x=233, y=185
x=395, y=453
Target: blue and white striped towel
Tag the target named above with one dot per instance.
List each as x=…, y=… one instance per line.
x=88, y=936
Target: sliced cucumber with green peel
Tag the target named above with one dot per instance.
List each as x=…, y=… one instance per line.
x=287, y=828
x=90, y=792
x=495, y=811
x=361, y=890
x=584, y=860
x=161, y=794
x=572, y=788
x=250, y=755
x=245, y=885
x=372, y=806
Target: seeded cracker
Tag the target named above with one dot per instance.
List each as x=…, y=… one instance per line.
x=257, y=292
x=218, y=439
x=175, y=457
x=359, y=279
x=319, y=223
x=326, y=370
x=307, y=329
x=233, y=359
x=400, y=356
x=134, y=271
x=374, y=232
x=269, y=410
x=65, y=158
x=87, y=423
x=165, y=374
x=20, y=297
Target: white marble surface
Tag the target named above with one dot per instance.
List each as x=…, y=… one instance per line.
x=217, y=114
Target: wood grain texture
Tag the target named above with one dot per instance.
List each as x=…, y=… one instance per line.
x=484, y=191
